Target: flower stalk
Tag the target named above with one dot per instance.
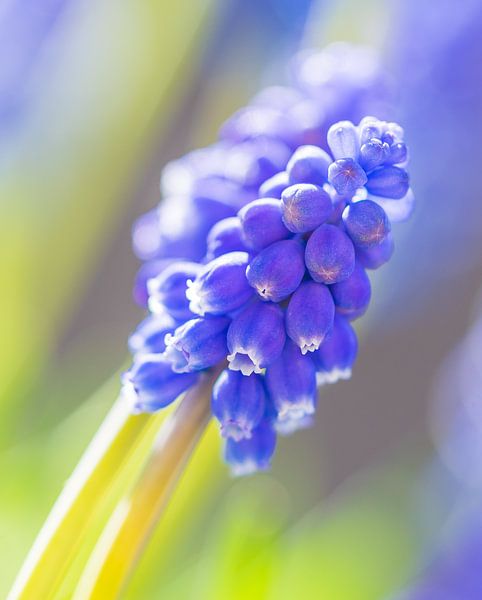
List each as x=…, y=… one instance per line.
x=136, y=515
x=71, y=514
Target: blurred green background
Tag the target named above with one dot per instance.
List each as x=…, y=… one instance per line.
x=100, y=96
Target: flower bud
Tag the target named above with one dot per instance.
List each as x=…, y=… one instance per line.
x=262, y=223
x=395, y=131
x=147, y=271
x=309, y=315
x=342, y=138
x=305, y=207
x=225, y=236
x=371, y=127
x=376, y=256
x=398, y=154
x=167, y=291
x=197, y=344
x=238, y=402
x=256, y=337
x=148, y=337
x=346, y=176
x=366, y=223
x=309, y=164
x=277, y=270
x=388, y=182
x=329, y=255
x=274, y=186
x=221, y=286
x=253, y=454
x=337, y=353
x=352, y=296
x=151, y=384
x=291, y=384
x=373, y=153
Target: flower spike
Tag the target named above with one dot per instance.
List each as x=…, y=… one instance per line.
x=262, y=249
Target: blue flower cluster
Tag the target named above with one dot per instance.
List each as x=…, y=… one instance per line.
x=256, y=261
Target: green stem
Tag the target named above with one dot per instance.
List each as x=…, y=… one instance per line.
x=70, y=515
x=133, y=521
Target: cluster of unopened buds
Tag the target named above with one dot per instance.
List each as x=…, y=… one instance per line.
x=256, y=259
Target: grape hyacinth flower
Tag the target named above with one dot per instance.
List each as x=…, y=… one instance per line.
x=335, y=357
x=197, y=344
x=148, y=337
x=238, y=403
x=291, y=384
x=221, y=286
x=256, y=337
x=330, y=254
x=366, y=223
x=277, y=271
x=167, y=291
x=305, y=206
x=352, y=296
x=151, y=383
x=252, y=454
x=262, y=223
x=225, y=236
x=309, y=315
x=267, y=264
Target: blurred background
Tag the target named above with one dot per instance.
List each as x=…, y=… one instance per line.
x=376, y=501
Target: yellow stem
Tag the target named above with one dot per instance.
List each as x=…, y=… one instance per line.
x=135, y=517
x=70, y=514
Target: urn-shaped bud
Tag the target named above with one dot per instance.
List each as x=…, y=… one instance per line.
x=256, y=337
x=305, y=207
x=151, y=384
x=197, y=344
x=309, y=316
x=291, y=384
x=342, y=138
x=262, y=223
x=388, y=182
x=225, y=236
x=337, y=353
x=376, y=256
x=366, y=223
x=346, y=176
x=278, y=270
x=238, y=402
x=330, y=254
x=352, y=295
x=148, y=337
x=274, y=186
x=167, y=291
x=221, y=285
x=309, y=164
x=252, y=454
